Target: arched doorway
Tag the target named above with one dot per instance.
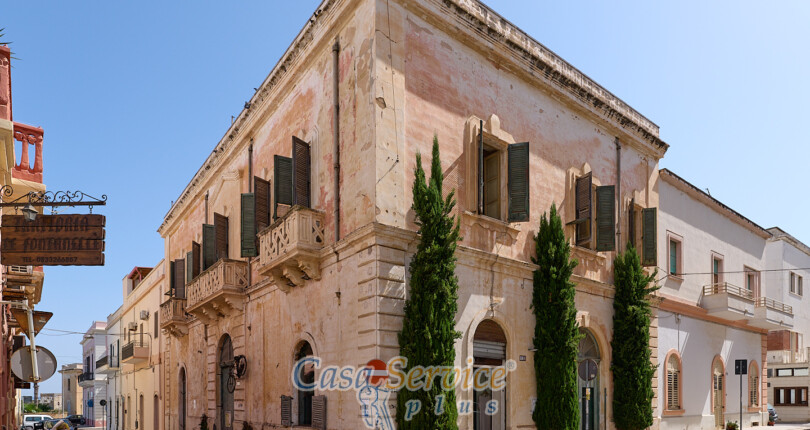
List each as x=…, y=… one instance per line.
x=489, y=350
x=589, y=404
x=181, y=401
x=718, y=391
x=227, y=383
x=307, y=376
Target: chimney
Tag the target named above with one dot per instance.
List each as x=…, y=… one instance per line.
x=5, y=83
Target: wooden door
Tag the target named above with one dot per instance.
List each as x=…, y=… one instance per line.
x=718, y=397
x=182, y=400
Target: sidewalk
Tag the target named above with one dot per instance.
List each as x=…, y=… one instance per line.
x=792, y=426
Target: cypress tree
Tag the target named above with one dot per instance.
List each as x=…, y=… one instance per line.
x=556, y=333
x=632, y=368
x=428, y=330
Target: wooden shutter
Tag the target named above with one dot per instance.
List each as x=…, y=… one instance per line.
x=221, y=228
x=518, y=181
x=319, y=412
x=209, y=246
x=172, y=280
x=631, y=223
x=180, y=278
x=481, y=168
x=189, y=266
x=301, y=161
x=157, y=324
x=648, y=236
x=196, y=253
x=282, y=175
x=286, y=411
x=247, y=221
x=606, y=218
x=262, y=190
x=583, y=208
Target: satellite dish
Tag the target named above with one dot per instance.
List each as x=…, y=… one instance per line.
x=21, y=364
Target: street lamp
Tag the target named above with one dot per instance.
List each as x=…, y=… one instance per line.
x=29, y=213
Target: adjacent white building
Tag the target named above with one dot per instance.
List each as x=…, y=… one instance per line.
x=94, y=384
x=719, y=300
x=110, y=365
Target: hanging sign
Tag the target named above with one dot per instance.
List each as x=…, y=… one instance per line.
x=52, y=240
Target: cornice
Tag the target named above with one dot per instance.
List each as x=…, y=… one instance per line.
x=541, y=64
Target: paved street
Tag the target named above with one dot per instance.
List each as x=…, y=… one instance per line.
x=792, y=426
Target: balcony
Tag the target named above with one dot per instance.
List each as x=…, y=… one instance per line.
x=218, y=291
x=135, y=352
x=290, y=248
x=107, y=364
x=173, y=317
x=86, y=378
x=788, y=356
x=23, y=283
x=28, y=136
x=771, y=314
x=728, y=301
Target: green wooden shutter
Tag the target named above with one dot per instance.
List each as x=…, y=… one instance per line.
x=180, y=278
x=262, y=191
x=583, y=208
x=196, y=251
x=518, y=181
x=221, y=229
x=282, y=177
x=649, y=232
x=172, y=286
x=248, y=225
x=189, y=266
x=606, y=218
x=286, y=410
x=631, y=223
x=481, y=167
x=301, y=162
x=209, y=246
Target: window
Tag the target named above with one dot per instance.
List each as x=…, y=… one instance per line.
x=784, y=372
x=753, y=385
x=293, y=177
x=790, y=396
x=717, y=269
x=605, y=208
x=492, y=182
x=177, y=278
x=673, y=393
x=796, y=284
x=752, y=281
x=675, y=251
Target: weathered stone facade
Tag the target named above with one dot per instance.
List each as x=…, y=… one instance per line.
x=407, y=70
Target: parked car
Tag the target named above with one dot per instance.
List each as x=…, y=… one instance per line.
x=77, y=419
x=29, y=420
x=772, y=415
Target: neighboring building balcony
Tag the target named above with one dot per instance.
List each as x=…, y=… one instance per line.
x=23, y=283
x=86, y=379
x=134, y=352
x=728, y=301
x=28, y=136
x=771, y=314
x=173, y=317
x=218, y=291
x=107, y=364
x=789, y=357
x=290, y=248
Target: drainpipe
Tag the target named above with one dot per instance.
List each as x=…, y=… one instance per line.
x=336, y=131
x=620, y=245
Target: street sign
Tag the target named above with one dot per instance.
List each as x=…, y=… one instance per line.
x=53, y=240
x=741, y=367
x=21, y=364
x=40, y=319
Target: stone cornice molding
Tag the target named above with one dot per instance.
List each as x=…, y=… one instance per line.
x=538, y=63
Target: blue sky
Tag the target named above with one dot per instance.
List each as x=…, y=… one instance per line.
x=133, y=96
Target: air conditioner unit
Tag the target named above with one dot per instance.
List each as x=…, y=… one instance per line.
x=132, y=326
x=144, y=315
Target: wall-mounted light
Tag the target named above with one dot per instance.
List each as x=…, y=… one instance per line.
x=29, y=213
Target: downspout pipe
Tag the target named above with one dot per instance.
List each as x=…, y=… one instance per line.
x=336, y=131
x=620, y=245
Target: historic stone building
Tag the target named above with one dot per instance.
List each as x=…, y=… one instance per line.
x=295, y=235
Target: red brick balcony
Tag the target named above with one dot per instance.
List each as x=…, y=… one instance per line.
x=28, y=136
x=290, y=248
x=218, y=291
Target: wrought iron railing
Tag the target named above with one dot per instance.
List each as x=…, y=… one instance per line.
x=86, y=376
x=128, y=350
x=764, y=302
x=101, y=362
x=726, y=288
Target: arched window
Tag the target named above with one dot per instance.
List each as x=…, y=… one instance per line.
x=753, y=385
x=672, y=394
x=306, y=376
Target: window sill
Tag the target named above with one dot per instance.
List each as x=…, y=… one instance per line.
x=673, y=413
x=675, y=278
x=798, y=296
x=492, y=224
x=587, y=252
x=754, y=409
